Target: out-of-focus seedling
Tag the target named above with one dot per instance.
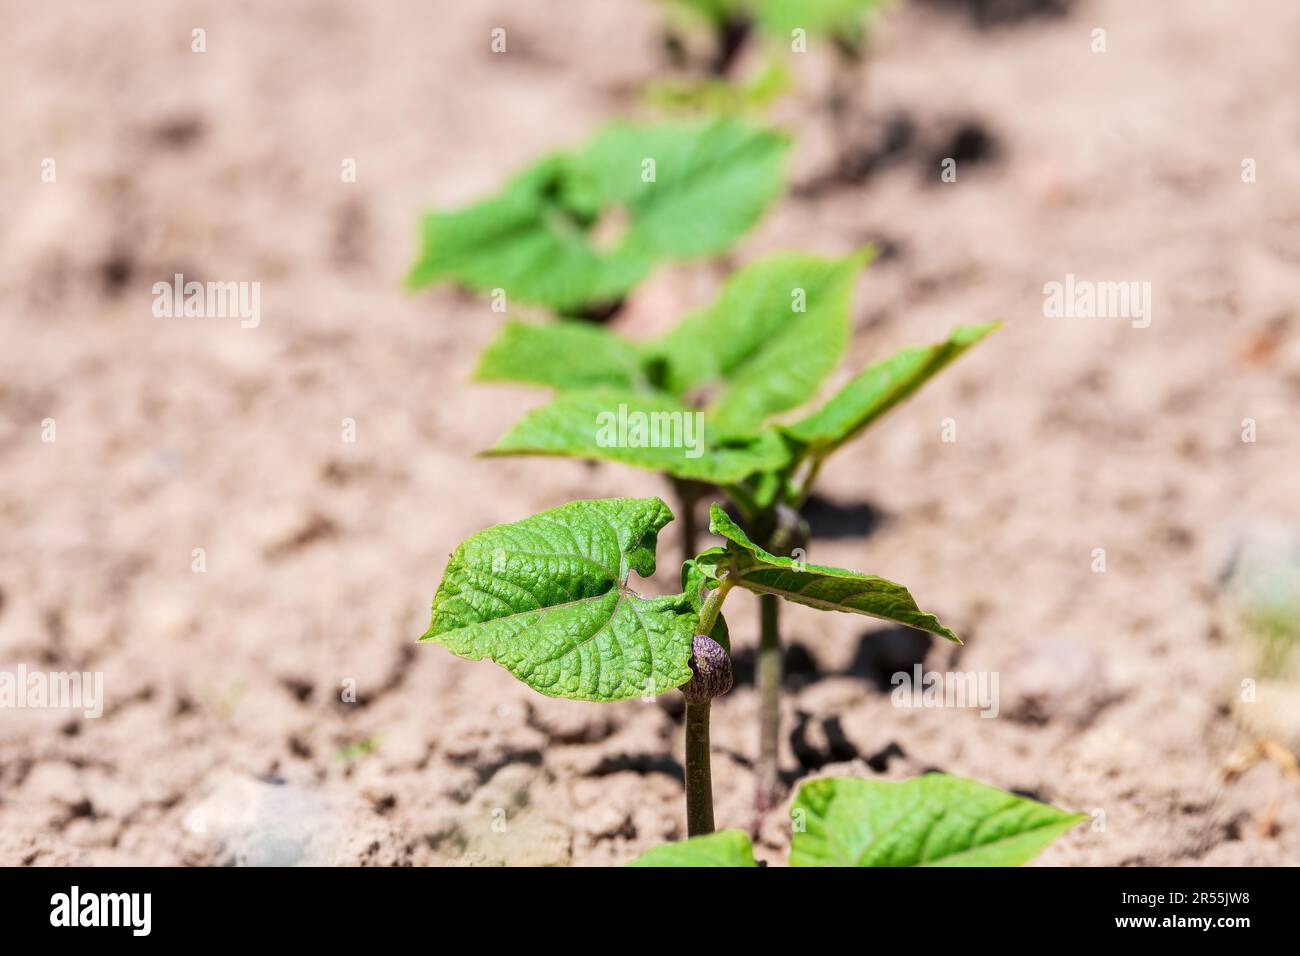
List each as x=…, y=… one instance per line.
x=576, y=230
x=1261, y=599
x=840, y=27
x=721, y=376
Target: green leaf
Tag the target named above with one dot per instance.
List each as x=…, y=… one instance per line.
x=545, y=238
x=714, y=11
x=711, y=183
x=548, y=599
x=878, y=389
x=644, y=429
x=778, y=17
x=560, y=355
x=934, y=820
x=815, y=585
x=700, y=573
x=767, y=342
x=531, y=240
x=724, y=848
x=842, y=18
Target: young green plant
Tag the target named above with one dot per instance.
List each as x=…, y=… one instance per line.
x=784, y=27
x=765, y=346
x=786, y=23
x=576, y=230
x=549, y=598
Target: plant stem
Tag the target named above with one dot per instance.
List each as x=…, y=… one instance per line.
x=699, y=776
x=769, y=665
x=713, y=605
x=798, y=497
x=731, y=30
x=688, y=496
x=711, y=667
x=843, y=102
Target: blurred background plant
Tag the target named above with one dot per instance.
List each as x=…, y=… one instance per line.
x=1261, y=595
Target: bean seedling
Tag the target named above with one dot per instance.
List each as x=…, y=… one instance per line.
x=773, y=335
x=786, y=22
x=549, y=599
x=576, y=230
x=790, y=25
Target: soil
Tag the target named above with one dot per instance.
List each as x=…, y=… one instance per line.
x=225, y=737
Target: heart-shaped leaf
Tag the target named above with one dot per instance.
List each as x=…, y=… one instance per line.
x=879, y=388
x=724, y=848
x=814, y=585
x=674, y=191
x=560, y=355
x=645, y=429
x=548, y=599
x=708, y=184
x=934, y=820
x=767, y=342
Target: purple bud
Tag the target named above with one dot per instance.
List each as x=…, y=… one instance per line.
x=710, y=669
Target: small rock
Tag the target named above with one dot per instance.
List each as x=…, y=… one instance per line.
x=1057, y=681
x=607, y=822
x=249, y=822
x=1261, y=562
